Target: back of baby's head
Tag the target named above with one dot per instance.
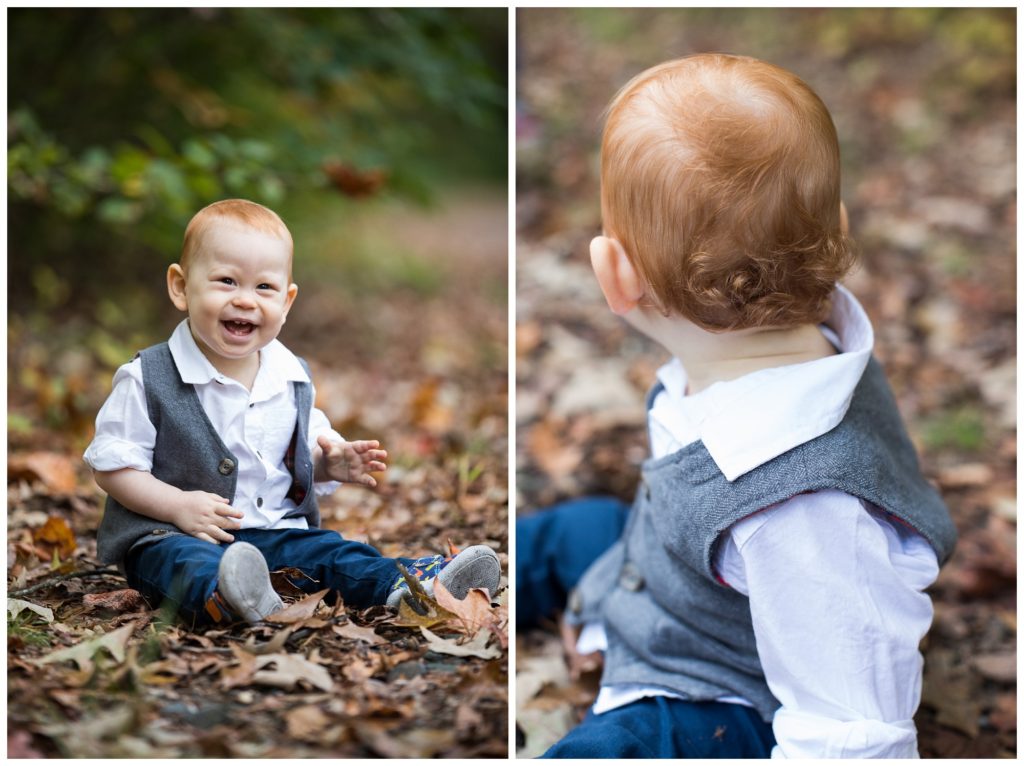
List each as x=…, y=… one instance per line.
x=233, y=212
x=720, y=177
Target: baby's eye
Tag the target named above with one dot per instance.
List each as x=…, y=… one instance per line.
x=226, y=280
x=265, y=286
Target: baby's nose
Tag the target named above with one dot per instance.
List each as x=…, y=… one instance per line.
x=244, y=298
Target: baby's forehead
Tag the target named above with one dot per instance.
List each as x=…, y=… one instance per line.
x=227, y=237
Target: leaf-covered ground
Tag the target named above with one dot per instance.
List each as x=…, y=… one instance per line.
x=924, y=103
x=93, y=672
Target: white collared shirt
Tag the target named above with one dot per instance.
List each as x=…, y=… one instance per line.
x=835, y=588
x=256, y=426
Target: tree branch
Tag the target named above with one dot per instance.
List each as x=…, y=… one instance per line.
x=60, y=578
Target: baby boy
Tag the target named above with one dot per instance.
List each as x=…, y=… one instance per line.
x=764, y=595
x=212, y=453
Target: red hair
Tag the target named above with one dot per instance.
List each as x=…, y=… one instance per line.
x=720, y=177
x=244, y=212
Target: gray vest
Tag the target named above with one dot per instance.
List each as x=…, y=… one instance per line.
x=670, y=622
x=190, y=455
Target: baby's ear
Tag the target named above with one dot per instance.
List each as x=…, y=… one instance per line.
x=289, y=298
x=621, y=284
x=176, y=286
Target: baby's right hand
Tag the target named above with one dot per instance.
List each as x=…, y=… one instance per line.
x=207, y=516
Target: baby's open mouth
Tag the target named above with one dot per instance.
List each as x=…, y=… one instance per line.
x=239, y=328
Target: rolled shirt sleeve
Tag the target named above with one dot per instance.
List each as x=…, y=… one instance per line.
x=838, y=610
x=125, y=437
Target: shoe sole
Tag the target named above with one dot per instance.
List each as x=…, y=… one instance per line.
x=475, y=567
x=244, y=583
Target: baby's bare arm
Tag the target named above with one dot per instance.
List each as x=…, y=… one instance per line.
x=200, y=514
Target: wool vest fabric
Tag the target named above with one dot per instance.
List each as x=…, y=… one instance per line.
x=190, y=455
x=669, y=621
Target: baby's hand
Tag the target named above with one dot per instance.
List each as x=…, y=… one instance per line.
x=207, y=516
x=352, y=461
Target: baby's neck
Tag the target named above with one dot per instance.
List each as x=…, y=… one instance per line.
x=715, y=357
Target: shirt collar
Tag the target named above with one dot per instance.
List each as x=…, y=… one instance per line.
x=748, y=421
x=278, y=365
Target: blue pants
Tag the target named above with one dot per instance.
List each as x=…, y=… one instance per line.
x=554, y=547
x=182, y=570
x=659, y=727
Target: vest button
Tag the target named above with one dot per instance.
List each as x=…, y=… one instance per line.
x=227, y=465
x=630, y=577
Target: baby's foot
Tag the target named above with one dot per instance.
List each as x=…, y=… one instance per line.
x=475, y=567
x=244, y=583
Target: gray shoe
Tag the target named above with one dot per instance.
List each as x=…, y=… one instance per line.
x=475, y=567
x=244, y=583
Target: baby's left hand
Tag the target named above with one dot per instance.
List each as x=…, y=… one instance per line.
x=351, y=462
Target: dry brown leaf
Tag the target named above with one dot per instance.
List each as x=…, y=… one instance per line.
x=290, y=670
x=359, y=671
x=474, y=611
x=997, y=667
x=467, y=719
x=55, y=469
x=427, y=410
x=55, y=534
x=272, y=646
x=351, y=630
x=126, y=600
x=409, y=618
x=239, y=675
x=82, y=653
x=300, y=610
x=554, y=455
x=474, y=648
x=306, y=722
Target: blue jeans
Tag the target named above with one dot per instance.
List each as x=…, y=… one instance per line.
x=554, y=547
x=182, y=570
x=659, y=727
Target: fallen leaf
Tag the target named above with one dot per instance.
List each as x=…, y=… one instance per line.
x=474, y=611
x=965, y=475
x=17, y=606
x=543, y=728
x=474, y=648
x=467, y=719
x=242, y=673
x=359, y=671
x=997, y=667
x=55, y=469
x=56, y=536
x=396, y=742
x=432, y=612
x=81, y=654
x=351, y=630
x=300, y=610
x=553, y=454
x=306, y=722
x=126, y=600
x=272, y=646
x=289, y=670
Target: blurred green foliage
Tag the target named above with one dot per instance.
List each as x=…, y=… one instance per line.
x=123, y=122
x=962, y=429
